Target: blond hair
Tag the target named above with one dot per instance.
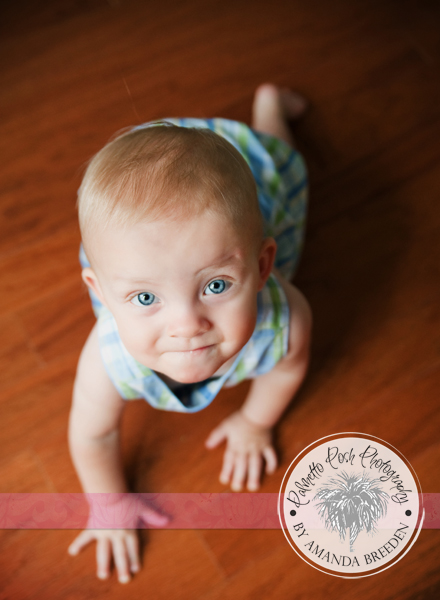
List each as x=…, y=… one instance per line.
x=167, y=171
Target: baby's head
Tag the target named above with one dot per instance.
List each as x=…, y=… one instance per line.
x=167, y=172
x=171, y=225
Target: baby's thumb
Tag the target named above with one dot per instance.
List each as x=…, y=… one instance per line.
x=215, y=437
x=151, y=517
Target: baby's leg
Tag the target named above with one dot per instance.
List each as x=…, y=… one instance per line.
x=273, y=108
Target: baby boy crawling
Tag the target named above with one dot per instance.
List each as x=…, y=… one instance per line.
x=191, y=229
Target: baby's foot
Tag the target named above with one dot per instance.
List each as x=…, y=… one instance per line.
x=286, y=103
x=274, y=107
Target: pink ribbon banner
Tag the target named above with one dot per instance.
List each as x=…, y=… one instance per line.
x=162, y=510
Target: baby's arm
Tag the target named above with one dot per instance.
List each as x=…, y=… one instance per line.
x=94, y=445
x=248, y=432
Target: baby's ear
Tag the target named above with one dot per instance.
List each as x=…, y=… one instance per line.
x=91, y=281
x=266, y=259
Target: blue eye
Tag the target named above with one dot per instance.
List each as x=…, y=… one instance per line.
x=216, y=287
x=144, y=299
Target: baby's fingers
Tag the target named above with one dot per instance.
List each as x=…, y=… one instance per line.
x=133, y=553
x=84, y=538
x=121, y=560
x=227, y=468
x=239, y=475
x=103, y=557
x=216, y=436
x=271, y=459
x=254, y=472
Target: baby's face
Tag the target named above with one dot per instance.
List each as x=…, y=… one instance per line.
x=184, y=295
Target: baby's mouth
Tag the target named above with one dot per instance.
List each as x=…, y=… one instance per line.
x=199, y=349
x=193, y=351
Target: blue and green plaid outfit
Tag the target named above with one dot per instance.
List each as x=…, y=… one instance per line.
x=281, y=179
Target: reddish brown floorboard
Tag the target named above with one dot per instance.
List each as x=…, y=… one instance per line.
x=75, y=71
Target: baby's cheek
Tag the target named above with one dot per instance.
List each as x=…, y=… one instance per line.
x=137, y=340
x=240, y=324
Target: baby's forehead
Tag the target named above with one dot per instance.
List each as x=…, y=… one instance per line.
x=171, y=245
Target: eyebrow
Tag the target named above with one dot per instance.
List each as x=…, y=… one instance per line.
x=230, y=261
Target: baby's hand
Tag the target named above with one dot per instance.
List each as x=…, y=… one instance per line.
x=123, y=544
x=246, y=446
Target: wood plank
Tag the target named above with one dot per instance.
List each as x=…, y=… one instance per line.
x=18, y=357
x=59, y=324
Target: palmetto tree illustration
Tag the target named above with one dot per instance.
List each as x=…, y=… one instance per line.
x=353, y=501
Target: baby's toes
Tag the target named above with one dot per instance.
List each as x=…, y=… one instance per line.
x=294, y=104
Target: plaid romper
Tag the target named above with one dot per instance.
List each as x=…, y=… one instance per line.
x=281, y=179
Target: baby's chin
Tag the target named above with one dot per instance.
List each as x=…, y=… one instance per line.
x=190, y=375
x=193, y=369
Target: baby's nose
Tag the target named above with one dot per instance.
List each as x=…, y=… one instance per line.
x=188, y=323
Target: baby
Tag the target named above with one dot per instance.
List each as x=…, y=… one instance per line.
x=191, y=229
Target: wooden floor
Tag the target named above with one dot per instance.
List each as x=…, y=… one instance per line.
x=75, y=71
